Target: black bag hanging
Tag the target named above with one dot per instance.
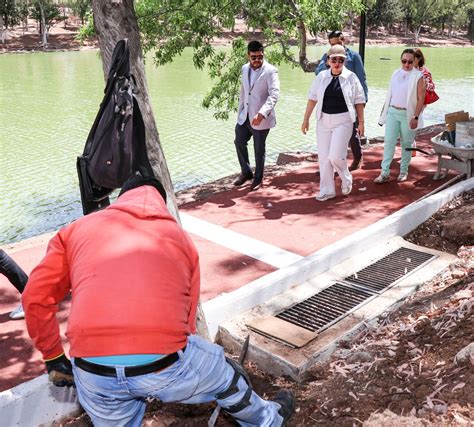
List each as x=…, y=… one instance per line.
x=115, y=148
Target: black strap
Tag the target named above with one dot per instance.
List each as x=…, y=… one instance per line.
x=130, y=371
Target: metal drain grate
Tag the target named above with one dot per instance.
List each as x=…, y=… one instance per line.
x=325, y=308
x=389, y=269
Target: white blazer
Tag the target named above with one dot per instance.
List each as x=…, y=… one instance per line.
x=412, y=98
x=351, y=89
x=261, y=97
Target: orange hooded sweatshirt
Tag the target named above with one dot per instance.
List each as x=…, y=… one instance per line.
x=134, y=277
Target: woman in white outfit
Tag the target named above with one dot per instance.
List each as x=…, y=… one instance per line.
x=339, y=99
x=401, y=114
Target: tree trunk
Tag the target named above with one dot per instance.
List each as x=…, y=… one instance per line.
x=113, y=21
x=43, y=29
x=2, y=32
x=417, y=34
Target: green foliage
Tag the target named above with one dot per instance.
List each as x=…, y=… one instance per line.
x=51, y=12
x=170, y=26
x=87, y=30
x=13, y=12
x=81, y=8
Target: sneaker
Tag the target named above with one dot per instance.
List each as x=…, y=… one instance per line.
x=242, y=178
x=402, y=177
x=382, y=178
x=323, y=197
x=346, y=189
x=286, y=399
x=18, y=313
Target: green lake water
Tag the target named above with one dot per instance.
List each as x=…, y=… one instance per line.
x=49, y=100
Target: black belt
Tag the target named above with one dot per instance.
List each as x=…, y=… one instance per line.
x=130, y=371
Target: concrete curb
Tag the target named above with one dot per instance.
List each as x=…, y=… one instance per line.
x=227, y=306
x=36, y=403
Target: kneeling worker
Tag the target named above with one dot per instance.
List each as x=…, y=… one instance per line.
x=134, y=277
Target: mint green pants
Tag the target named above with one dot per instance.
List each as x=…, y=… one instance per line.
x=397, y=125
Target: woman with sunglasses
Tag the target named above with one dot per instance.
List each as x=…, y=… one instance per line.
x=401, y=115
x=339, y=100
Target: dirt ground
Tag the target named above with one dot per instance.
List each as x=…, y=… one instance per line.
x=62, y=37
x=400, y=371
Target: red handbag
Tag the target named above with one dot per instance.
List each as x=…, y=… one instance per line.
x=430, y=97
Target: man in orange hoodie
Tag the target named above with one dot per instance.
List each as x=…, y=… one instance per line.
x=134, y=277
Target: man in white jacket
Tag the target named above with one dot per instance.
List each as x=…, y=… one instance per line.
x=259, y=91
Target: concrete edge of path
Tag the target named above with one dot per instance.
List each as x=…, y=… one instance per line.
x=36, y=403
x=400, y=223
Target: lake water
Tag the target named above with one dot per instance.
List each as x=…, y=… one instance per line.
x=49, y=100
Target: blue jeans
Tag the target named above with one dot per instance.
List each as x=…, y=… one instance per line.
x=200, y=373
x=396, y=125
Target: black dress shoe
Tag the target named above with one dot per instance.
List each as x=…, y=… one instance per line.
x=356, y=164
x=242, y=178
x=255, y=185
x=286, y=399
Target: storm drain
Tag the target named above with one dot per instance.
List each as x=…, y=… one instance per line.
x=389, y=269
x=337, y=301
x=325, y=308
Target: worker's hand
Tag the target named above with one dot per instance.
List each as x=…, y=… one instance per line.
x=60, y=371
x=305, y=126
x=257, y=119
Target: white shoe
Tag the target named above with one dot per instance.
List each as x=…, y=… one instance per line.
x=18, y=313
x=402, y=177
x=382, y=178
x=323, y=197
x=346, y=189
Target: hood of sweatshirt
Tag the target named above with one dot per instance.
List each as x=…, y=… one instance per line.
x=142, y=202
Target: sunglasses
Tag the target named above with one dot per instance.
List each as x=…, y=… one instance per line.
x=337, y=60
x=407, y=61
x=256, y=57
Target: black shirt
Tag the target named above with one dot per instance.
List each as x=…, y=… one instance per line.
x=334, y=102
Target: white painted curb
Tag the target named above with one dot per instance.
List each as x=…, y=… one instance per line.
x=227, y=306
x=37, y=402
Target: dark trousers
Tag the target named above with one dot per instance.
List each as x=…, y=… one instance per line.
x=243, y=133
x=12, y=271
x=355, y=143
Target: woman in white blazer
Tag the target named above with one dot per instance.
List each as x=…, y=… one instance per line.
x=401, y=114
x=339, y=99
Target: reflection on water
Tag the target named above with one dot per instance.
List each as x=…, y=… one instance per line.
x=49, y=101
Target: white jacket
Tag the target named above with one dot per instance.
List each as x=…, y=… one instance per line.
x=261, y=97
x=351, y=89
x=412, y=98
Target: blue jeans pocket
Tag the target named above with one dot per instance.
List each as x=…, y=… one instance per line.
x=176, y=386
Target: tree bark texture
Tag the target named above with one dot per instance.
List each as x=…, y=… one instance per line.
x=115, y=20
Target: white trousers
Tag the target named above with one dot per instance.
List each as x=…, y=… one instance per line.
x=333, y=133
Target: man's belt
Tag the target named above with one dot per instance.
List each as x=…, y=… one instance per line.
x=397, y=108
x=130, y=371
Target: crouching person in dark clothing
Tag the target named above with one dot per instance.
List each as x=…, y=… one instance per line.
x=134, y=277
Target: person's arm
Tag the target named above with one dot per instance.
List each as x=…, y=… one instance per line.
x=360, y=73
x=272, y=99
x=47, y=286
x=309, y=110
x=322, y=65
x=195, y=288
x=420, y=92
x=360, y=118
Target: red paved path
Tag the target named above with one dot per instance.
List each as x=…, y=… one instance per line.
x=283, y=213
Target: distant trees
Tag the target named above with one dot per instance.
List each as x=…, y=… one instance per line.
x=440, y=15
